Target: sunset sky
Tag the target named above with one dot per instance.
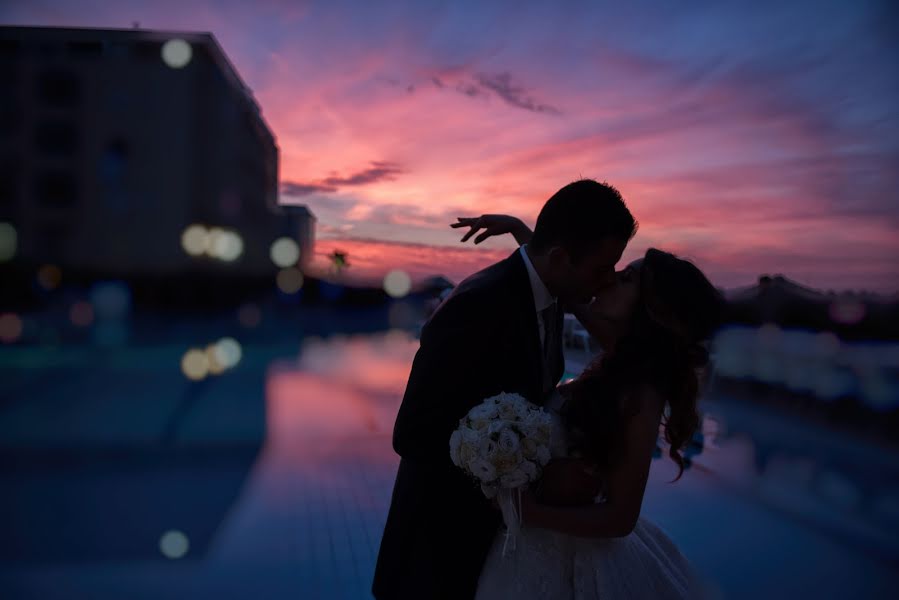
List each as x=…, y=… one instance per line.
x=753, y=137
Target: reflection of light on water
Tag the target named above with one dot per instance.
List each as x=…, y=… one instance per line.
x=249, y=316
x=174, y=544
x=195, y=364
x=10, y=328
x=340, y=386
x=49, y=277
x=228, y=352
x=82, y=314
x=817, y=363
x=111, y=300
x=838, y=490
x=289, y=281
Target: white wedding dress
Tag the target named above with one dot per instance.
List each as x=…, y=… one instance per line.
x=543, y=564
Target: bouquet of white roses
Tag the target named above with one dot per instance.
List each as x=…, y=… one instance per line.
x=503, y=443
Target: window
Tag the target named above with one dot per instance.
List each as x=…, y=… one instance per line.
x=56, y=189
x=85, y=49
x=147, y=50
x=59, y=88
x=57, y=138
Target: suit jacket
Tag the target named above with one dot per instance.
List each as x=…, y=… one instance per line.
x=482, y=340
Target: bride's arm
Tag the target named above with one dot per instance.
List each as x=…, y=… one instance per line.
x=618, y=516
x=494, y=225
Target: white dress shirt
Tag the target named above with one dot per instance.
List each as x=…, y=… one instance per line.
x=542, y=298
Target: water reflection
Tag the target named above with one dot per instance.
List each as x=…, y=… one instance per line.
x=220, y=509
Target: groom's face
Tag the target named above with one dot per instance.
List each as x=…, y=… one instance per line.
x=582, y=279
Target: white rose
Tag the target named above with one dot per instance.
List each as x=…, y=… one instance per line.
x=529, y=448
x=523, y=409
x=540, y=432
x=513, y=480
x=508, y=441
x=508, y=411
x=467, y=453
x=487, y=448
x=543, y=455
x=506, y=462
x=486, y=411
x=479, y=424
x=496, y=426
x=483, y=470
x=529, y=469
x=456, y=448
x=469, y=435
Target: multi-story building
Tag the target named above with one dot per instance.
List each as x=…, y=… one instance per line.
x=114, y=142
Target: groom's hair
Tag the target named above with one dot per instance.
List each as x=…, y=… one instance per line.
x=580, y=216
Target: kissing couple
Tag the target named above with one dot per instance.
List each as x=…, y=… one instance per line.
x=580, y=533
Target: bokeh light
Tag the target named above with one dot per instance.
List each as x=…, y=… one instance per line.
x=111, y=300
x=827, y=344
x=10, y=328
x=195, y=364
x=225, y=245
x=397, y=283
x=228, y=352
x=770, y=336
x=49, y=277
x=195, y=240
x=110, y=333
x=216, y=366
x=285, y=252
x=290, y=280
x=249, y=316
x=174, y=544
x=878, y=392
x=9, y=242
x=82, y=314
x=176, y=53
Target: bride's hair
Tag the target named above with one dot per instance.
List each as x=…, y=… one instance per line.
x=664, y=347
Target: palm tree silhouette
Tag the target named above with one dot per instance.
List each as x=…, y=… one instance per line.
x=339, y=261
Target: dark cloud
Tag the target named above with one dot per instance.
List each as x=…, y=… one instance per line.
x=502, y=85
x=294, y=188
x=378, y=171
x=470, y=90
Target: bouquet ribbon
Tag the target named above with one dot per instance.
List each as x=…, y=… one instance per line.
x=510, y=505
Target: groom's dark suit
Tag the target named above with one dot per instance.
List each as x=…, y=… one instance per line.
x=482, y=340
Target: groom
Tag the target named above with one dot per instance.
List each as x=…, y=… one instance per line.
x=499, y=331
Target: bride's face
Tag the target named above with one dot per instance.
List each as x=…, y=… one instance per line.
x=616, y=303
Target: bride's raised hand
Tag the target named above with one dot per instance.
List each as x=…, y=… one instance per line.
x=493, y=225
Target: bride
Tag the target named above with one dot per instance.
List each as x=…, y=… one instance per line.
x=581, y=535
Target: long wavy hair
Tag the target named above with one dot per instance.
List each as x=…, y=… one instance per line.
x=677, y=311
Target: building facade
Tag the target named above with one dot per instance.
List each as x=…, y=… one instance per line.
x=114, y=142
